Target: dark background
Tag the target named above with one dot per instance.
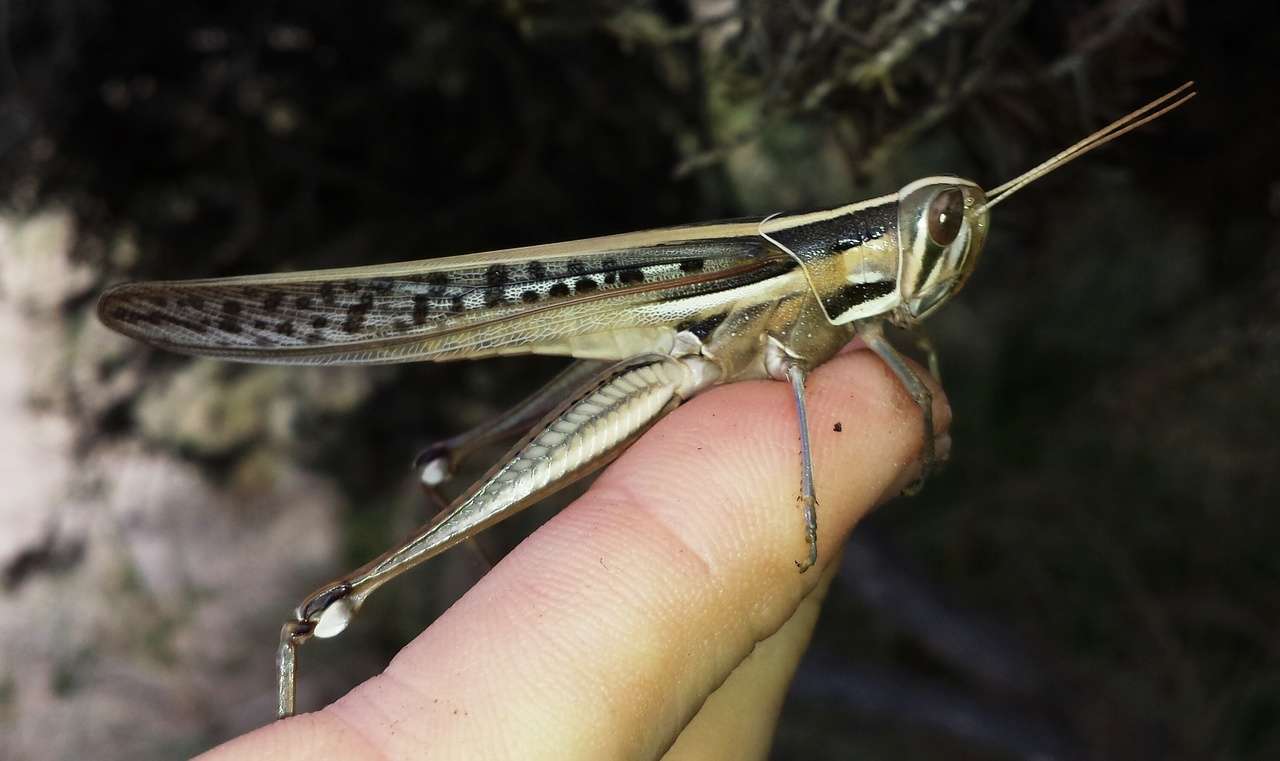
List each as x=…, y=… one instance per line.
x=1094, y=576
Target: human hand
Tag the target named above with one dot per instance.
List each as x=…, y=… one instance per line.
x=658, y=616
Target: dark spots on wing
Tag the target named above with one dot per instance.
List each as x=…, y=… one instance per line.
x=303, y=302
x=399, y=326
x=850, y=295
x=356, y=314
x=529, y=297
x=230, y=321
x=421, y=307
x=190, y=325
x=328, y=294
x=456, y=305
x=575, y=266
x=496, y=275
x=632, y=275
x=585, y=285
x=438, y=283
x=193, y=302
x=610, y=278
x=157, y=300
x=285, y=328
x=314, y=337
x=259, y=324
x=320, y=323
x=704, y=327
x=559, y=289
x=272, y=301
x=536, y=270
x=151, y=318
x=692, y=265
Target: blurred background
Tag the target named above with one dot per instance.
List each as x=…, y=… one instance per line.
x=1095, y=576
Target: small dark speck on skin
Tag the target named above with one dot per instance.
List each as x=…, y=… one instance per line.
x=838, y=427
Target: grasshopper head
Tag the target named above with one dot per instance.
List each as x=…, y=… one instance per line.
x=942, y=221
x=942, y=225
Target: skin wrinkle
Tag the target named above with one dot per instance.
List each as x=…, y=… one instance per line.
x=663, y=621
x=751, y=626
x=561, y=651
x=769, y=660
x=697, y=633
x=612, y=507
x=667, y=482
x=377, y=742
x=467, y=661
x=346, y=709
x=658, y=525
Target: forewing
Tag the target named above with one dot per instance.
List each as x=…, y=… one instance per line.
x=528, y=300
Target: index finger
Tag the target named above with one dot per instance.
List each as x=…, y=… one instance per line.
x=602, y=634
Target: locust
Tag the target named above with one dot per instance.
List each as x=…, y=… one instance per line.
x=653, y=318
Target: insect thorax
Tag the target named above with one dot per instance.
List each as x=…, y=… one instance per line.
x=849, y=256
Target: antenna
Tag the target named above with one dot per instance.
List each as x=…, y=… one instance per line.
x=1130, y=121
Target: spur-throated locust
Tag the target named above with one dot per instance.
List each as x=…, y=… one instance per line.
x=653, y=317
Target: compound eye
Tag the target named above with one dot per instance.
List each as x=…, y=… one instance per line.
x=946, y=213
